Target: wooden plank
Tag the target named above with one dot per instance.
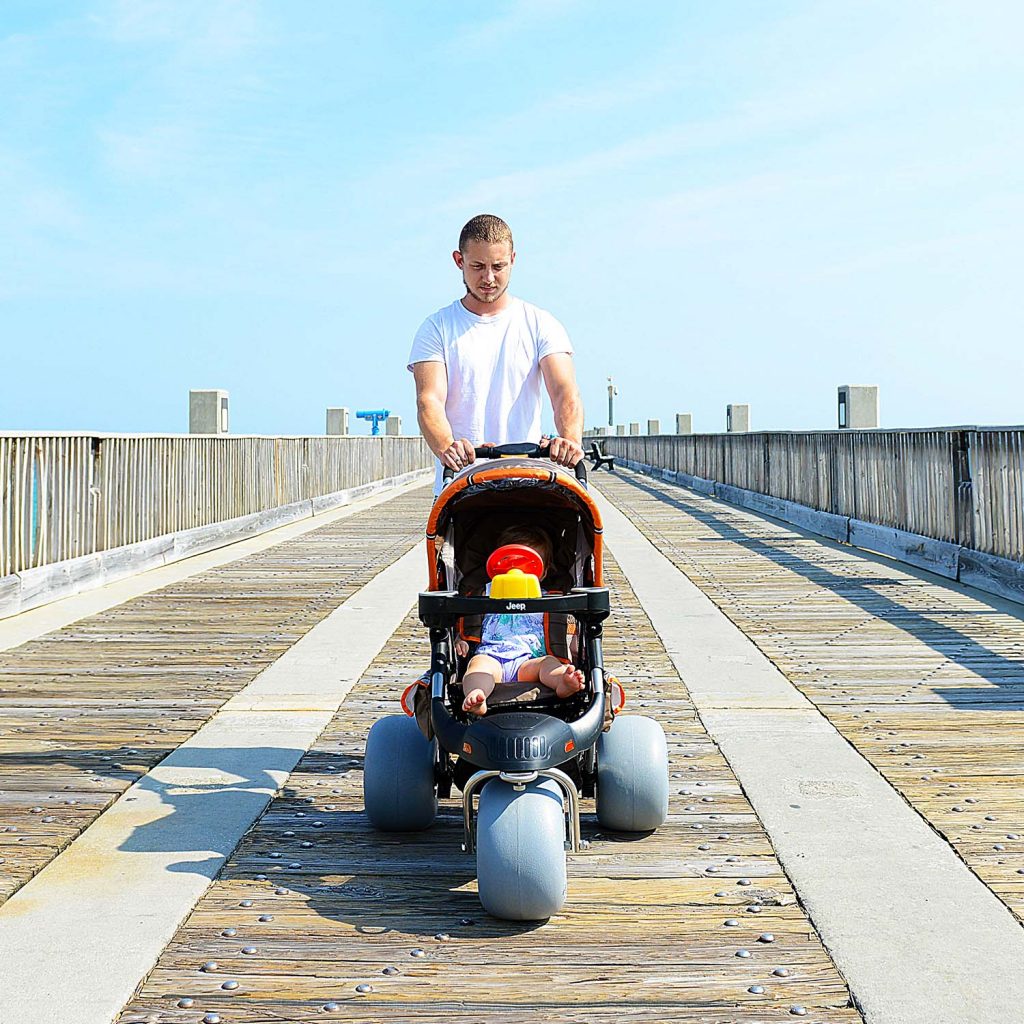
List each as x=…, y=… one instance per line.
x=993, y=574
x=327, y=904
x=934, y=555
x=914, y=481
x=926, y=682
x=97, y=492
x=87, y=709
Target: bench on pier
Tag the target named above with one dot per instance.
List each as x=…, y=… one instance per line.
x=600, y=459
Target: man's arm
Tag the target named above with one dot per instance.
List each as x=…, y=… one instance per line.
x=560, y=380
x=431, y=392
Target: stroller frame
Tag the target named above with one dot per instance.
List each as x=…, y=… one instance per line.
x=532, y=737
x=522, y=765
x=519, y=781
x=517, y=745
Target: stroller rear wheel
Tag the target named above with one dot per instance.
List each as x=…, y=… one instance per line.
x=632, y=775
x=398, y=776
x=520, y=850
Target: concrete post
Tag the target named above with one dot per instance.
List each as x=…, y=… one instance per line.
x=684, y=423
x=737, y=419
x=337, y=421
x=208, y=411
x=620, y=429
x=393, y=425
x=653, y=427
x=858, y=406
x=634, y=429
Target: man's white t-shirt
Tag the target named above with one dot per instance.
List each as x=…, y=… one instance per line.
x=493, y=363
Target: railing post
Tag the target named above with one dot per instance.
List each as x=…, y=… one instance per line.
x=963, y=488
x=307, y=472
x=97, y=499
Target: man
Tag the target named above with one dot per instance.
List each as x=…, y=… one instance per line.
x=478, y=363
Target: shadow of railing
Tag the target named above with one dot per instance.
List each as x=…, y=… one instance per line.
x=928, y=628
x=232, y=826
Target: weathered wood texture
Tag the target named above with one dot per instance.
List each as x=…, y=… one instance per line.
x=323, y=904
x=87, y=709
x=961, y=485
x=64, y=496
x=992, y=573
x=926, y=681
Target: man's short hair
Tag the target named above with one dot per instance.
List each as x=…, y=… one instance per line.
x=485, y=227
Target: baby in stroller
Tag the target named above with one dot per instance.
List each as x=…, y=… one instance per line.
x=512, y=648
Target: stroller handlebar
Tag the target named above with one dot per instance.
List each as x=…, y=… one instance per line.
x=523, y=449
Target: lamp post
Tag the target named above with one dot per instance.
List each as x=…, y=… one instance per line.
x=612, y=392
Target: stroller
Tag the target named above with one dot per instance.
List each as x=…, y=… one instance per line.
x=524, y=766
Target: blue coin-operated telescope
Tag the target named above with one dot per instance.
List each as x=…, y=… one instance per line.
x=375, y=416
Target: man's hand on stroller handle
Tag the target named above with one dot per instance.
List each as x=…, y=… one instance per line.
x=461, y=647
x=562, y=451
x=461, y=453
x=458, y=454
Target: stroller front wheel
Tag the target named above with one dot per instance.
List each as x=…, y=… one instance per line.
x=520, y=850
x=398, y=776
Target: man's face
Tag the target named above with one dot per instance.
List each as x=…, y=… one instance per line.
x=486, y=268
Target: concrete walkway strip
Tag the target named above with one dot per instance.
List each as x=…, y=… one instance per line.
x=919, y=938
x=36, y=622
x=77, y=940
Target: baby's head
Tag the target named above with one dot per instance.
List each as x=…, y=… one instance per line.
x=533, y=537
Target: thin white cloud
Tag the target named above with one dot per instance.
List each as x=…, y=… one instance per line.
x=847, y=104
x=33, y=203
x=138, y=21
x=207, y=28
x=152, y=152
x=520, y=16
x=169, y=124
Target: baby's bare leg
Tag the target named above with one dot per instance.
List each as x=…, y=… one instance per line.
x=564, y=679
x=483, y=673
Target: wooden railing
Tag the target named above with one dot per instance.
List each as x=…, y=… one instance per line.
x=67, y=495
x=962, y=485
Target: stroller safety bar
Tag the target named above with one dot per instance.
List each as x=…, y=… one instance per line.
x=443, y=608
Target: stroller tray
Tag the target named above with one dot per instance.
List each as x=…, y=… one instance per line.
x=442, y=607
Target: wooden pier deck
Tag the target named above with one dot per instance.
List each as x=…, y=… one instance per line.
x=316, y=914
x=924, y=678
x=88, y=709
x=651, y=932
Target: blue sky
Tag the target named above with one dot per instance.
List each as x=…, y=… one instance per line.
x=722, y=201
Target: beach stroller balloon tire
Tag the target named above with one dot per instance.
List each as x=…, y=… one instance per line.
x=399, y=792
x=520, y=851
x=632, y=775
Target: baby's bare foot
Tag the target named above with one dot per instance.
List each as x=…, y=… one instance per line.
x=475, y=702
x=571, y=682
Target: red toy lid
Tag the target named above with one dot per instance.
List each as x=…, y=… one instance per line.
x=515, y=556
